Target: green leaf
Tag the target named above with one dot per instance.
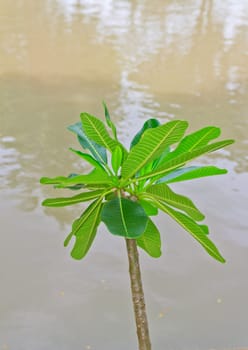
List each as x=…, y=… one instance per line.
x=150, y=240
x=96, y=131
x=109, y=121
x=162, y=192
x=146, y=169
x=81, y=220
x=82, y=197
x=69, y=237
x=180, y=160
x=51, y=181
x=98, y=152
x=85, y=229
x=194, y=229
x=150, y=123
x=152, y=145
x=160, y=159
x=117, y=159
x=124, y=217
x=193, y=172
x=88, y=158
x=92, y=208
x=148, y=207
x=196, y=140
x=93, y=178
x=149, y=167
x=204, y=229
x=73, y=188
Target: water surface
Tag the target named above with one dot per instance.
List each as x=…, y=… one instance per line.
x=164, y=59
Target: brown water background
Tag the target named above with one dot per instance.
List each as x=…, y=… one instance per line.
x=165, y=59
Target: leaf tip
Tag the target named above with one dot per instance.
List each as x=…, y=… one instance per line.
x=67, y=240
x=70, y=128
x=76, y=256
x=44, y=203
x=43, y=180
x=201, y=216
x=158, y=255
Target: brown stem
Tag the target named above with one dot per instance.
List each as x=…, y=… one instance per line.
x=138, y=296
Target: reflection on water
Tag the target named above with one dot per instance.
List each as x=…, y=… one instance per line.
x=166, y=59
x=142, y=57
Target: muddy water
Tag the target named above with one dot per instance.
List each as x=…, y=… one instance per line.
x=169, y=59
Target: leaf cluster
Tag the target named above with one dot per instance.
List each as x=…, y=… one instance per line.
x=126, y=188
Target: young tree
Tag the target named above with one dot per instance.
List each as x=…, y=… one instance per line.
x=126, y=188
